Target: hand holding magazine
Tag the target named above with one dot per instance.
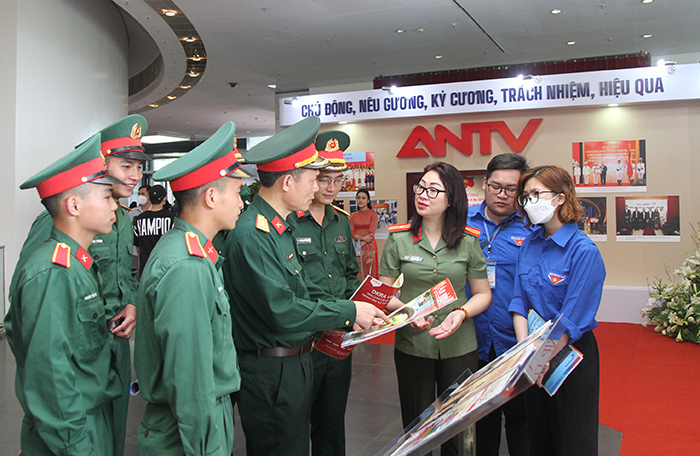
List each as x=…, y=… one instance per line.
x=431, y=300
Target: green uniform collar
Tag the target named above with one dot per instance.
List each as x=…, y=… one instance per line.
x=60, y=236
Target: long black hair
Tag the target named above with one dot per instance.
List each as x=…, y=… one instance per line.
x=369, y=200
x=458, y=204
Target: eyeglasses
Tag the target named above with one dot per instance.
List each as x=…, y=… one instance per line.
x=497, y=189
x=324, y=182
x=532, y=197
x=432, y=192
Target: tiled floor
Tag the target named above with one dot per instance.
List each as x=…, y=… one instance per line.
x=372, y=420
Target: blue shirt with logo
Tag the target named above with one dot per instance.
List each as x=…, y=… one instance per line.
x=562, y=275
x=494, y=326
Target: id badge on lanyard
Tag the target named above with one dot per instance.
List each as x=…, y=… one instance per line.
x=491, y=272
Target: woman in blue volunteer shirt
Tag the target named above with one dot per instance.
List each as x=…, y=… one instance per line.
x=560, y=273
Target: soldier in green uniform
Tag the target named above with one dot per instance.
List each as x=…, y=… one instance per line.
x=56, y=325
x=184, y=353
x=123, y=154
x=273, y=316
x=324, y=240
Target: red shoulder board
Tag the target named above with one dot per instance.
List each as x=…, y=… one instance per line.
x=402, y=227
x=61, y=255
x=194, y=247
x=471, y=230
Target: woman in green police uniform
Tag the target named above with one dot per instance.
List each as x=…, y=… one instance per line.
x=434, y=246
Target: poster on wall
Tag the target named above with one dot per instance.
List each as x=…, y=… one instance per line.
x=648, y=219
x=360, y=173
x=595, y=218
x=610, y=166
x=473, y=185
x=387, y=214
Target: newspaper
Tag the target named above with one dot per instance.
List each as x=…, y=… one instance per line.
x=429, y=301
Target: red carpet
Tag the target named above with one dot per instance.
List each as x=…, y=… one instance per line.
x=649, y=390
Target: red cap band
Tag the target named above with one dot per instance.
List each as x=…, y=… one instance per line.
x=73, y=177
x=119, y=143
x=208, y=173
x=335, y=156
x=297, y=160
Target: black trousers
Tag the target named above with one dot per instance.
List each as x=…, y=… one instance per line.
x=488, y=429
x=567, y=423
x=418, y=378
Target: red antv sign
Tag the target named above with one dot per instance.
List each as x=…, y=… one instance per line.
x=437, y=146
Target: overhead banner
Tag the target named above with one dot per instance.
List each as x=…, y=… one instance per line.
x=634, y=85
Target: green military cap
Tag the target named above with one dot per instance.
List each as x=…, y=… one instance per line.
x=211, y=160
x=331, y=145
x=84, y=164
x=123, y=138
x=290, y=149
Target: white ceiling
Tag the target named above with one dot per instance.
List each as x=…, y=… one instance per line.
x=310, y=44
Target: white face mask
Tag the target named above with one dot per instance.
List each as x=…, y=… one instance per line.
x=141, y=200
x=540, y=212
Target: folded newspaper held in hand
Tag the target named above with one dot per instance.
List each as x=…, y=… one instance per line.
x=424, y=304
x=370, y=290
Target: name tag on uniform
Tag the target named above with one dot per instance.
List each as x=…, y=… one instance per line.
x=90, y=296
x=97, y=241
x=290, y=256
x=306, y=240
x=413, y=258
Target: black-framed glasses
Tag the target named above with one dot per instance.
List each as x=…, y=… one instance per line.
x=497, y=189
x=324, y=182
x=432, y=192
x=533, y=197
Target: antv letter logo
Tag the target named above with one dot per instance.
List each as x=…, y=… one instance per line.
x=437, y=146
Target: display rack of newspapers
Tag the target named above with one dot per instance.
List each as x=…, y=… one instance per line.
x=422, y=305
x=473, y=396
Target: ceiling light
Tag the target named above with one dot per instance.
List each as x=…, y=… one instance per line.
x=555, y=11
x=647, y=1
x=185, y=87
x=520, y=77
x=189, y=39
x=613, y=105
x=272, y=86
x=192, y=74
x=196, y=58
x=294, y=102
x=391, y=90
x=169, y=12
x=342, y=122
x=400, y=30
x=153, y=105
x=420, y=30
x=171, y=97
x=571, y=43
x=649, y=35
x=163, y=138
x=438, y=56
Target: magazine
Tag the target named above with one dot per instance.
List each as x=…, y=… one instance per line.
x=563, y=362
x=429, y=301
x=370, y=290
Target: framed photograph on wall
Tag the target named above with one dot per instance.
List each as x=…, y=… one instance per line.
x=610, y=166
x=595, y=217
x=648, y=218
x=360, y=173
x=473, y=183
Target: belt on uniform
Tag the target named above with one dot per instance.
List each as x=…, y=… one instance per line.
x=282, y=352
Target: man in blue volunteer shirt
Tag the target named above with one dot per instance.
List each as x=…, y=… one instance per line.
x=502, y=234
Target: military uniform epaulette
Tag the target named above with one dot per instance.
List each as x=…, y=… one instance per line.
x=194, y=247
x=337, y=209
x=471, y=230
x=262, y=224
x=401, y=227
x=61, y=255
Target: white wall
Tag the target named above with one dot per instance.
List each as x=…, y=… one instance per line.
x=65, y=73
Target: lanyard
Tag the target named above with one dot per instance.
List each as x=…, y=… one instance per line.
x=490, y=239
